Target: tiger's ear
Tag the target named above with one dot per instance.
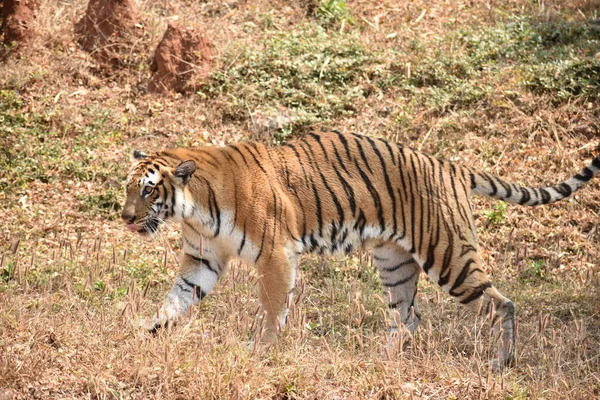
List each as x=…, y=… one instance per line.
x=184, y=171
x=138, y=155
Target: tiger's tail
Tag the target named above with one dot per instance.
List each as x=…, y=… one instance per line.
x=488, y=185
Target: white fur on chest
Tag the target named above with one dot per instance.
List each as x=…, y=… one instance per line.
x=199, y=231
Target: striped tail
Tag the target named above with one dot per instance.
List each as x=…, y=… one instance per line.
x=488, y=185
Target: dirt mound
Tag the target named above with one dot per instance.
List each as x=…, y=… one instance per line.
x=110, y=30
x=181, y=55
x=17, y=18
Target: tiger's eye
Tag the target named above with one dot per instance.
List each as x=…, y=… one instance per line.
x=148, y=190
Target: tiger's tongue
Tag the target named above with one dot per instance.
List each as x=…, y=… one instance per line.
x=133, y=227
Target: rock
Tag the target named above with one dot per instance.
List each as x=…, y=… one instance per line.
x=17, y=20
x=181, y=55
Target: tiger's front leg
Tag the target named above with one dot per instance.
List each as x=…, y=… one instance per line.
x=196, y=278
x=277, y=279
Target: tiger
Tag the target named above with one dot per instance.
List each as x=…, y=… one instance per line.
x=326, y=193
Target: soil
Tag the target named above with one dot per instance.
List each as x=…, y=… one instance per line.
x=17, y=18
x=181, y=55
x=108, y=30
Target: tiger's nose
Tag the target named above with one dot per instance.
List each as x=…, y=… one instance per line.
x=127, y=217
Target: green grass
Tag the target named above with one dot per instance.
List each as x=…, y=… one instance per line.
x=314, y=74
x=498, y=214
x=466, y=66
x=43, y=147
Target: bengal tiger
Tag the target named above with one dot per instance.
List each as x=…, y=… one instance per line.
x=326, y=193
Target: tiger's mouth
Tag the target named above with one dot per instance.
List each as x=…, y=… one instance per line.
x=145, y=228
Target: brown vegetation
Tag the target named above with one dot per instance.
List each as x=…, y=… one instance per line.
x=502, y=86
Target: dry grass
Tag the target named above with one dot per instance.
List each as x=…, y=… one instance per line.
x=73, y=283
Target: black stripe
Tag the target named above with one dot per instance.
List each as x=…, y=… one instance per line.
x=526, y=196
x=231, y=146
x=310, y=154
x=213, y=207
x=395, y=305
x=361, y=151
x=347, y=189
x=431, y=253
x=492, y=184
x=545, y=196
x=506, y=188
x=192, y=228
x=389, y=149
x=250, y=148
x=204, y=261
x=388, y=184
x=344, y=143
x=210, y=160
x=401, y=281
x=416, y=178
x=276, y=210
x=432, y=198
x=193, y=246
x=318, y=207
x=452, y=174
x=361, y=222
x=467, y=248
x=229, y=157
x=200, y=294
x=596, y=162
x=402, y=194
x=243, y=240
x=460, y=279
x=340, y=162
x=173, y=199
x=183, y=289
x=300, y=161
x=338, y=206
x=397, y=267
x=262, y=245
x=235, y=204
x=412, y=205
x=476, y=293
x=374, y=195
x=445, y=277
x=585, y=175
x=318, y=139
x=564, y=189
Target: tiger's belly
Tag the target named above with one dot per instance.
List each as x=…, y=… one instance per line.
x=334, y=239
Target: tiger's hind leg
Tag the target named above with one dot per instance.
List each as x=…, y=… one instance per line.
x=470, y=285
x=399, y=275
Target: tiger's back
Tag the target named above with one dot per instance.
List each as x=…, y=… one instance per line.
x=330, y=193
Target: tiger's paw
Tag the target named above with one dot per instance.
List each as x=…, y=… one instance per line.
x=399, y=339
x=153, y=326
x=499, y=366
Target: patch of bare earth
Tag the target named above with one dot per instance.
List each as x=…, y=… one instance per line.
x=111, y=31
x=181, y=55
x=17, y=17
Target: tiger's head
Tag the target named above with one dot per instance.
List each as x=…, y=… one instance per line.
x=153, y=186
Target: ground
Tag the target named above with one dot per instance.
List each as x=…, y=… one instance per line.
x=509, y=87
